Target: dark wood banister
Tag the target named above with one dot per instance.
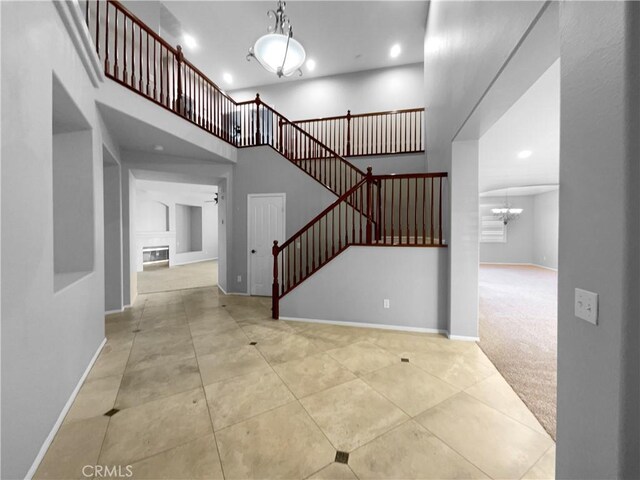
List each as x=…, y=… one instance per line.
x=374, y=133
x=215, y=106
x=355, y=115
x=177, y=52
x=309, y=224
x=308, y=135
x=375, y=235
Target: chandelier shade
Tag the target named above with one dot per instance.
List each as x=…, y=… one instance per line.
x=279, y=53
x=506, y=214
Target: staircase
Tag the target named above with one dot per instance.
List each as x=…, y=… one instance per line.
x=139, y=59
x=378, y=211
x=370, y=210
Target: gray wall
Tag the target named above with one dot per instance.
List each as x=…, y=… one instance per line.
x=47, y=339
x=468, y=47
x=361, y=92
x=263, y=170
x=188, y=228
x=599, y=366
x=195, y=223
x=545, y=232
x=353, y=286
x=112, y=234
x=73, y=214
x=183, y=228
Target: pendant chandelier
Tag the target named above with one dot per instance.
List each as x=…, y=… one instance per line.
x=277, y=51
x=506, y=213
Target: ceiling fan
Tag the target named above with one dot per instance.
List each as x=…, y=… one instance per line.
x=215, y=199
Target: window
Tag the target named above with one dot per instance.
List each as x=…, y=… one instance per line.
x=492, y=230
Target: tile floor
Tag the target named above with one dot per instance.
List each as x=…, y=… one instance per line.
x=193, y=275
x=195, y=399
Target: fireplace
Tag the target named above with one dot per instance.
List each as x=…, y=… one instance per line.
x=155, y=255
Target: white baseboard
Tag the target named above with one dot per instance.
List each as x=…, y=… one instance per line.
x=506, y=263
x=545, y=267
x=520, y=264
x=175, y=264
x=117, y=310
x=367, y=325
x=241, y=294
x=463, y=338
x=63, y=413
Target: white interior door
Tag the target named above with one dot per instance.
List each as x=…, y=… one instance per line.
x=266, y=224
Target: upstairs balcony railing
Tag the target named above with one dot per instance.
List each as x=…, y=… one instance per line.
x=378, y=133
x=140, y=60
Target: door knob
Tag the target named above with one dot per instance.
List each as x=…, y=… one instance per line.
x=253, y=251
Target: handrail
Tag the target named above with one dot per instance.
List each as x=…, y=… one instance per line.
x=382, y=210
x=308, y=225
x=126, y=11
x=138, y=58
x=367, y=114
x=388, y=176
x=374, y=133
x=393, y=210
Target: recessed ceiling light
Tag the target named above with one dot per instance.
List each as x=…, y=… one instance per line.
x=395, y=50
x=228, y=78
x=525, y=154
x=158, y=148
x=189, y=41
x=311, y=64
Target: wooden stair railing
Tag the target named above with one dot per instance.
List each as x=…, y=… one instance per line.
x=387, y=210
x=376, y=133
x=262, y=125
x=379, y=211
x=139, y=59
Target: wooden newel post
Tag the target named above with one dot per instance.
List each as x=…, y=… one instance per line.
x=179, y=100
x=369, y=205
x=348, y=133
x=258, y=135
x=275, y=290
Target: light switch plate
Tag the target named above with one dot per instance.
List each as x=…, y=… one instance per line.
x=386, y=303
x=586, y=305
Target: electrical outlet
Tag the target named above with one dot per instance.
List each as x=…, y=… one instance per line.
x=239, y=279
x=385, y=303
x=586, y=305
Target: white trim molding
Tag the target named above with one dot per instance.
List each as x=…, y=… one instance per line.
x=463, y=338
x=520, y=265
x=189, y=262
x=367, y=325
x=71, y=15
x=63, y=413
x=117, y=310
x=240, y=294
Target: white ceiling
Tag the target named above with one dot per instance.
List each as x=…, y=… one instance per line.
x=341, y=36
x=133, y=134
x=532, y=123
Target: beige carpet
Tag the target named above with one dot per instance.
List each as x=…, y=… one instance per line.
x=162, y=279
x=518, y=332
